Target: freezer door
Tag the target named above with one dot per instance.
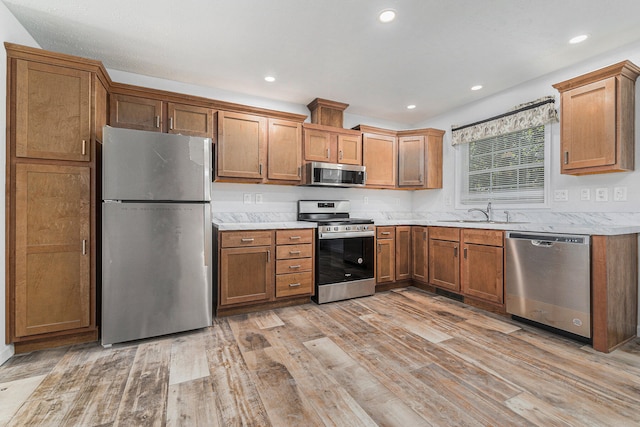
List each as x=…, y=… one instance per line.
x=140, y=165
x=156, y=269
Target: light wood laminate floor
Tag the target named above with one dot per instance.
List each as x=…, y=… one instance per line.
x=401, y=358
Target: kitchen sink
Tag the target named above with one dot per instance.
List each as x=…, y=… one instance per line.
x=480, y=221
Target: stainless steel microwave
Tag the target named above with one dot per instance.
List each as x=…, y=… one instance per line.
x=335, y=175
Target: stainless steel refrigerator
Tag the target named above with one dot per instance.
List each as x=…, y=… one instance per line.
x=156, y=234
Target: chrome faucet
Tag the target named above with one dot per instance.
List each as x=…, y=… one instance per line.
x=486, y=212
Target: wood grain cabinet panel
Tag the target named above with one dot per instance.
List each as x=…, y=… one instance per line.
x=403, y=253
x=444, y=264
x=52, y=112
x=597, y=122
x=246, y=275
x=190, y=120
x=134, y=112
x=385, y=261
x=411, y=161
x=350, y=149
x=483, y=272
x=242, y=140
x=294, y=284
x=285, y=151
x=419, y=254
x=379, y=156
x=52, y=270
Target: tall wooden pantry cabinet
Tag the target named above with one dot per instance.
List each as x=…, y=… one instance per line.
x=57, y=106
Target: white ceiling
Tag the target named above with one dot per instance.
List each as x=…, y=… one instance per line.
x=336, y=49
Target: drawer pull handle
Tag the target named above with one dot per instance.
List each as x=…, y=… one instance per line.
x=294, y=237
x=294, y=252
x=385, y=233
x=247, y=239
x=295, y=266
x=294, y=285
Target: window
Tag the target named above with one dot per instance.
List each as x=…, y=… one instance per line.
x=507, y=169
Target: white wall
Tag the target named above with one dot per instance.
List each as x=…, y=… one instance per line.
x=501, y=103
x=10, y=31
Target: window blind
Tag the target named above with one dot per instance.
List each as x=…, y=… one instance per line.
x=506, y=168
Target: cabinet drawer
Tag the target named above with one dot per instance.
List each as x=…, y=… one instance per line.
x=444, y=233
x=285, y=266
x=294, y=251
x=294, y=284
x=483, y=237
x=385, y=232
x=294, y=237
x=236, y=239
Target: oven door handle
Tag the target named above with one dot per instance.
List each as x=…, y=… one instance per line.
x=345, y=235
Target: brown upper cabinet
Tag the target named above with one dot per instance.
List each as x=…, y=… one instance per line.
x=135, y=112
x=420, y=158
x=379, y=156
x=254, y=148
x=332, y=145
x=43, y=132
x=284, y=151
x=597, y=120
x=242, y=146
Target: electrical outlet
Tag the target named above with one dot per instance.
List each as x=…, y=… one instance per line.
x=602, y=194
x=561, y=195
x=447, y=200
x=585, y=194
x=366, y=200
x=247, y=198
x=258, y=198
x=620, y=194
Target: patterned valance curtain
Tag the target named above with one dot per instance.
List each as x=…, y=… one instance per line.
x=523, y=116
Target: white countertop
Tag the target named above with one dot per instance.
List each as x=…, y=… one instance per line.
x=591, y=229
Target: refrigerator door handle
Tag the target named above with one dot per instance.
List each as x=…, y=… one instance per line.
x=207, y=235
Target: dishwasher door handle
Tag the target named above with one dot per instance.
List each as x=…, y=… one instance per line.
x=542, y=243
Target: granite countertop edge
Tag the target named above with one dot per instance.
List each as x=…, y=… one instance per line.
x=591, y=229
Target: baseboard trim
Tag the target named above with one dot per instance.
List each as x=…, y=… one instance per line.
x=7, y=353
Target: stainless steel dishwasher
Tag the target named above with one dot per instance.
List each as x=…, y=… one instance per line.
x=548, y=280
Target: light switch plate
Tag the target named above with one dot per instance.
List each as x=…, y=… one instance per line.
x=366, y=200
x=602, y=194
x=247, y=198
x=620, y=194
x=258, y=198
x=585, y=194
x=561, y=195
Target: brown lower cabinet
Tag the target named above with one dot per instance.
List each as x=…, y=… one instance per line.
x=468, y=261
x=393, y=254
x=420, y=254
x=263, y=266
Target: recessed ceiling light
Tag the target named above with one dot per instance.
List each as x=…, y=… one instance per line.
x=476, y=87
x=387, y=15
x=411, y=107
x=270, y=79
x=579, y=39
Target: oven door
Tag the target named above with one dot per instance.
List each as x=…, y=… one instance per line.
x=344, y=259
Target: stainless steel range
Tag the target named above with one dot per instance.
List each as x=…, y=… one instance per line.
x=344, y=250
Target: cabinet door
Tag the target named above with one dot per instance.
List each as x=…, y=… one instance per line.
x=588, y=135
x=385, y=261
x=444, y=264
x=318, y=146
x=403, y=253
x=133, y=112
x=411, y=161
x=190, y=120
x=285, y=150
x=242, y=140
x=246, y=275
x=350, y=149
x=379, y=157
x=419, y=252
x=52, y=260
x=53, y=112
x=482, y=272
